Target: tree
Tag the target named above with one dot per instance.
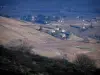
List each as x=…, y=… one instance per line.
x=84, y=64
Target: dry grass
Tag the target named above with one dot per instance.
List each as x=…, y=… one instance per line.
x=44, y=44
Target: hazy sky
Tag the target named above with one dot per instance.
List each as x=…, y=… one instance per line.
x=50, y=7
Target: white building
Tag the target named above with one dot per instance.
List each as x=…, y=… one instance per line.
x=83, y=27
x=57, y=28
x=53, y=31
x=33, y=18
x=63, y=31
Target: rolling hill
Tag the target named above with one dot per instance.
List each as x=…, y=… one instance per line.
x=12, y=30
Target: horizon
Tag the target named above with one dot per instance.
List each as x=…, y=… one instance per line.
x=70, y=8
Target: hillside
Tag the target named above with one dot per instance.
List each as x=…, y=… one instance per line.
x=24, y=63
x=43, y=44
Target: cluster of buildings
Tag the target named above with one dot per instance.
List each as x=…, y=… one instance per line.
x=56, y=32
x=59, y=33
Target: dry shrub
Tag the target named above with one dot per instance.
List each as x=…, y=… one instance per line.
x=84, y=63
